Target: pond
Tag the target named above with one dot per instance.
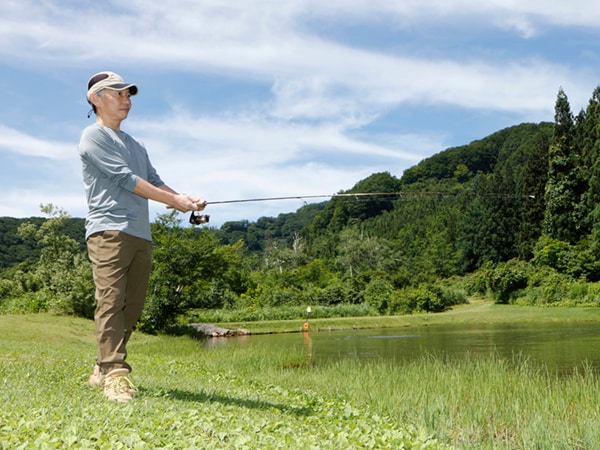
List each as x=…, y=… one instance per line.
x=561, y=347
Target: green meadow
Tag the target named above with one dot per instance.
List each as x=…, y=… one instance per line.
x=227, y=398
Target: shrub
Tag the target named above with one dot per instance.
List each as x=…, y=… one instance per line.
x=453, y=296
x=377, y=294
x=429, y=299
x=591, y=295
x=401, y=303
x=507, y=280
x=547, y=286
x=333, y=294
x=578, y=261
x=278, y=296
x=424, y=298
x=8, y=289
x=477, y=283
x=26, y=303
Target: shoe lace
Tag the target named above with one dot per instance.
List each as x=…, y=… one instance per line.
x=120, y=384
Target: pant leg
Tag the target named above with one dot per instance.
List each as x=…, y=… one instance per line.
x=137, y=283
x=121, y=266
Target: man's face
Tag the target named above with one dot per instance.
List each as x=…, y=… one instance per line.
x=114, y=105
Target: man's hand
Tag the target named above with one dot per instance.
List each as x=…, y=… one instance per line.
x=164, y=194
x=184, y=203
x=200, y=203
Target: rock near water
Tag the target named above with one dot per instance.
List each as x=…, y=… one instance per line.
x=208, y=329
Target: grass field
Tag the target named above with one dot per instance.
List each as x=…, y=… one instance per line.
x=227, y=398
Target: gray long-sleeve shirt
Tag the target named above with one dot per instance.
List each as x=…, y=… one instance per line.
x=112, y=163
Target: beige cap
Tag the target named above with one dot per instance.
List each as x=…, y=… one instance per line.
x=109, y=80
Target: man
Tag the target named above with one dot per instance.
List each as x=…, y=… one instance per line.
x=119, y=179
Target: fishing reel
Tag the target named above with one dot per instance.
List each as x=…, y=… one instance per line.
x=199, y=219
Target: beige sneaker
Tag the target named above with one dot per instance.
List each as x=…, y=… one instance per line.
x=117, y=386
x=97, y=377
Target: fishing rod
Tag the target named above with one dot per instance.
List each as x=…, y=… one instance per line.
x=198, y=219
x=303, y=197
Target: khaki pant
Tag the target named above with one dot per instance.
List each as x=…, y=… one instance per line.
x=121, y=265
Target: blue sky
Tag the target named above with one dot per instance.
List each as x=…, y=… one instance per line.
x=263, y=98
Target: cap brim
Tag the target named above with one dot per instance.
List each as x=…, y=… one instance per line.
x=133, y=90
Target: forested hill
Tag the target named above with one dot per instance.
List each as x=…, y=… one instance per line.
x=494, y=163
x=482, y=156
x=488, y=204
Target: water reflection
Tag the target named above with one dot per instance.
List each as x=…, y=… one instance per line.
x=307, y=342
x=559, y=347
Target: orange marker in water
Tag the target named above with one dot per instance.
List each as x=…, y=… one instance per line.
x=308, y=311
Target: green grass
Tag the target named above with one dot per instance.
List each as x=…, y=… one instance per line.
x=233, y=398
x=475, y=402
x=189, y=398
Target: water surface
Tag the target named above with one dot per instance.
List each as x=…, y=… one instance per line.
x=561, y=347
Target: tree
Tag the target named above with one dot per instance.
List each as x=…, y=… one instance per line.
x=342, y=211
x=565, y=212
x=186, y=261
x=361, y=253
x=63, y=274
x=534, y=185
x=591, y=146
x=489, y=231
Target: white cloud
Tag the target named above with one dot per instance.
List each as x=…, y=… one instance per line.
x=26, y=202
x=260, y=138
x=13, y=141
x=225, y=158
x=266, y=28
x=312, y=76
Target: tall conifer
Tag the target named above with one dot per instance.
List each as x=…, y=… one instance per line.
x=591, y=147
x=564, y=215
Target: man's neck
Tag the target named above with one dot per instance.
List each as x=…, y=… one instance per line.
x=107, y=122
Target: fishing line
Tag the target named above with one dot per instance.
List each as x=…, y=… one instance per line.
x=198, y=219
x=398, y=194
x=303, y=197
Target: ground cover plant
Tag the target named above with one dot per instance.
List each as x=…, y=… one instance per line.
x=222, y=397
x=188, y=399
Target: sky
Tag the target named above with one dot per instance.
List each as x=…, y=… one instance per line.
x=272, y=98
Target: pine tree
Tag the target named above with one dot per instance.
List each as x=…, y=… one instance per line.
x=591, y=139
x=564, y=215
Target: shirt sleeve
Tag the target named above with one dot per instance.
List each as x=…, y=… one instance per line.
x=108, y=156
x=152, y=176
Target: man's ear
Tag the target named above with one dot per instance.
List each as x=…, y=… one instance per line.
x=94, y=99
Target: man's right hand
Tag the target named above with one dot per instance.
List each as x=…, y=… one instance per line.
x=184, y=203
